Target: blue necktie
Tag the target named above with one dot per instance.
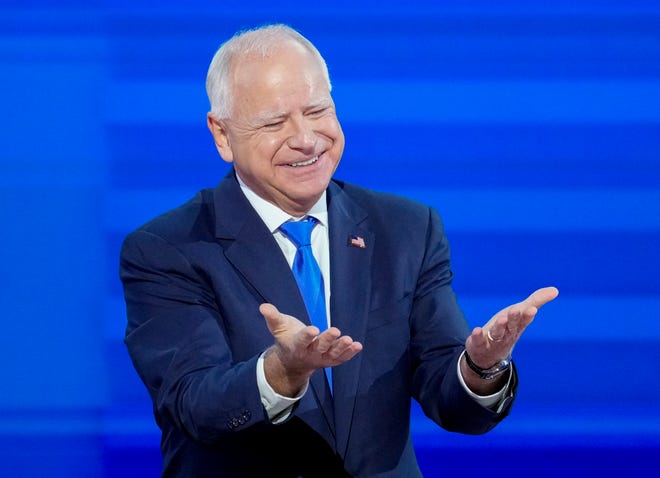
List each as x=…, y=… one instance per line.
x=308, y=274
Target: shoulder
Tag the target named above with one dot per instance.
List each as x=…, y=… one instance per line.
x=385, y=206
x=192, y=220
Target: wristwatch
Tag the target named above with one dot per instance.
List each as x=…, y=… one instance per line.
x=489, y=373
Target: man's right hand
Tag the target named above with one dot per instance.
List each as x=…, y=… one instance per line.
x=299, y=350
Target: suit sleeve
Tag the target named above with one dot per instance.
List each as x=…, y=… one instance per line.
x=176, y=342
x=439, y=331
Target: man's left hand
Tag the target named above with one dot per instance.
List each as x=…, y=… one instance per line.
x=493, y=342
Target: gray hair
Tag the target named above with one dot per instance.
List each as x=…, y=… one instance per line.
x=262, y=41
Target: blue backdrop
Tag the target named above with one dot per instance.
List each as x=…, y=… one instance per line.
x=534, y=130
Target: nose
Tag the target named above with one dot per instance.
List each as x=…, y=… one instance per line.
x=303, y=137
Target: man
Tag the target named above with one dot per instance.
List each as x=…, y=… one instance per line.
x=219, y=324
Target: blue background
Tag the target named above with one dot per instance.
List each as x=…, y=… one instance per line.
x=534, y=130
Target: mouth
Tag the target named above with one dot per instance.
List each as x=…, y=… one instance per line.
x=302, y=164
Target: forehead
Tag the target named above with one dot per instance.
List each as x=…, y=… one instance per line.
x=287, y=74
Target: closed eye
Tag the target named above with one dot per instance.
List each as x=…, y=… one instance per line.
x=317, y=112
x=273, y=124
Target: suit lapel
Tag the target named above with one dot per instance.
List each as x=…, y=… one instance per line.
x=350, y=275
x=253, y=251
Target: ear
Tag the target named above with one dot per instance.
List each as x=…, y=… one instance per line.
x=219, y=131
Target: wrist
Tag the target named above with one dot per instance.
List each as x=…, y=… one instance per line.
x=490, y=373
x=282, y=380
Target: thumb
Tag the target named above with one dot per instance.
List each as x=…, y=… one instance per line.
x=272, y=315
x=542, y=296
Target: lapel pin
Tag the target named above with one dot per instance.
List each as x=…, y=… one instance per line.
x=356, y=241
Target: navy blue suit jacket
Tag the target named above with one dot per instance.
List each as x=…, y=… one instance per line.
x=194, y=279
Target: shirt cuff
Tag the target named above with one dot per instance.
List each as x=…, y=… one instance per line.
x=488, y=401
x=278, y=407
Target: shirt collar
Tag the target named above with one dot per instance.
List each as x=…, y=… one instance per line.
x=273, y=216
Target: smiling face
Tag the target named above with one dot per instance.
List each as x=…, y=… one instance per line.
x=283, y=136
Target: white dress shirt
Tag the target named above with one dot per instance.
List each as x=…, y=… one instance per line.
x=278, y=407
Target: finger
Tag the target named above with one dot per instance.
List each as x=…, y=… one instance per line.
x=484, y=351
x=519, y=319
x=541, y=297
x=496, y=330
x=306, y=336
x=349, y=352
x=514, y=318
x=339, y=346
x=479, y=337
x=326, y=339
x=528, y=314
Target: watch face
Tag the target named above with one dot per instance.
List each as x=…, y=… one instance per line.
x=499, y=369
x=492, y=375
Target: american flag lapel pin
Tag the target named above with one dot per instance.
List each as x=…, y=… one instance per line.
x=356, y=241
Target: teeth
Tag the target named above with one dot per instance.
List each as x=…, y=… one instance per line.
x=305, y=163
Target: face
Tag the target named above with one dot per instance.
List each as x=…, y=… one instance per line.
x=283, y=137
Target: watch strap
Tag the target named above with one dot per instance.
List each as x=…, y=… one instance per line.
x=489, y=373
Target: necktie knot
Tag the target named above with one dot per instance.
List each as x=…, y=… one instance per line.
x=299, y=232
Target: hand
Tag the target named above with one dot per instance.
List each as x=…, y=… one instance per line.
x=299, y=350
x=494, y=341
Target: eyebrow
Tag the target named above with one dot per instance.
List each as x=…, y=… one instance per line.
x=268, y=117
x=279, y=115
x=322, y=103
